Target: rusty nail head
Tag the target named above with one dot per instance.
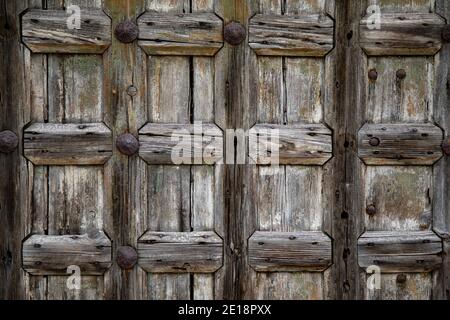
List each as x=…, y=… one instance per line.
x=401, y=74
x=8, y=141
x=401, y=278
x=126, y=257
x=371, y=210
x=446, y=33
x=234, y=33
x=127, y=144
x=132, y=91
x=374, y=142
x=373, y=74
x=446, y=147
x=126, y=31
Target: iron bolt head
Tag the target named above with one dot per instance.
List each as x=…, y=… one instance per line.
x=127, y=144
x=373, y=74
x=401, y=74
x=8, y=141
x=126, y=257
x=371, y=210
x=126, y=31
x=234, y=33
x=374, y=142
x=446, y=33
x=132, y=91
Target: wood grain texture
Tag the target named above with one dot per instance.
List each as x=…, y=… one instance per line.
x=310, y=35
x=400, y=251
x=289, y=251
x=67, y=144
x=400, y=144
x=181, y=144
x=402, y=33
x=180, y=252
x=309, y=144
x=52, y=255
x=46, y=31
x=190, y=34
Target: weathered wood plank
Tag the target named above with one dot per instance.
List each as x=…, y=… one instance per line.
x=400, y=144
x=306, y=144
x=67, y=144
x=46, y=31
x=309, y=35
x=180, y=252
x=400, y=251
x=52, y=255
x=192, y=34
x=402, y=34
x=289, y=251
x=181, y=144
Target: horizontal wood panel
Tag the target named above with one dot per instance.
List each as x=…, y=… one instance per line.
x=400, y=144
x=301, y=144
x=179, y=252
x=402, y=34
x=400, y=251
x=289, y=251
x=304, y=35
x=180, y=34
x=200, y=144
x=52, y=255
x=67, y=144
x=46, y=31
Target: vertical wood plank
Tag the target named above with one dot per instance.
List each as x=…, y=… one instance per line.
x=169, y=186
x=125, y=66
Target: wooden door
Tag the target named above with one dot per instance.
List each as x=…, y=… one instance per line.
x=92, y=115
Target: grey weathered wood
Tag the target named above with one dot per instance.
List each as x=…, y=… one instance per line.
x=159, y=140
x=180, y=252
x=306, y=35
x=67, y=144
x=192, y=34
x=289, y=251
x=402, y=34
x=400, y=144
x=52, y=255
x=400, y=251
x=306, y=144
x=46, y=31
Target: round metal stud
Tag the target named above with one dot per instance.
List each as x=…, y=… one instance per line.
x=446, y=33
x=374, y=142
x=127, y=144
x=371, y=210
x=401, y=74
x=373, y=74
x=126, y=31
x=126, y=257
x=8, y=141
x=132, y=91
x=234, y=33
